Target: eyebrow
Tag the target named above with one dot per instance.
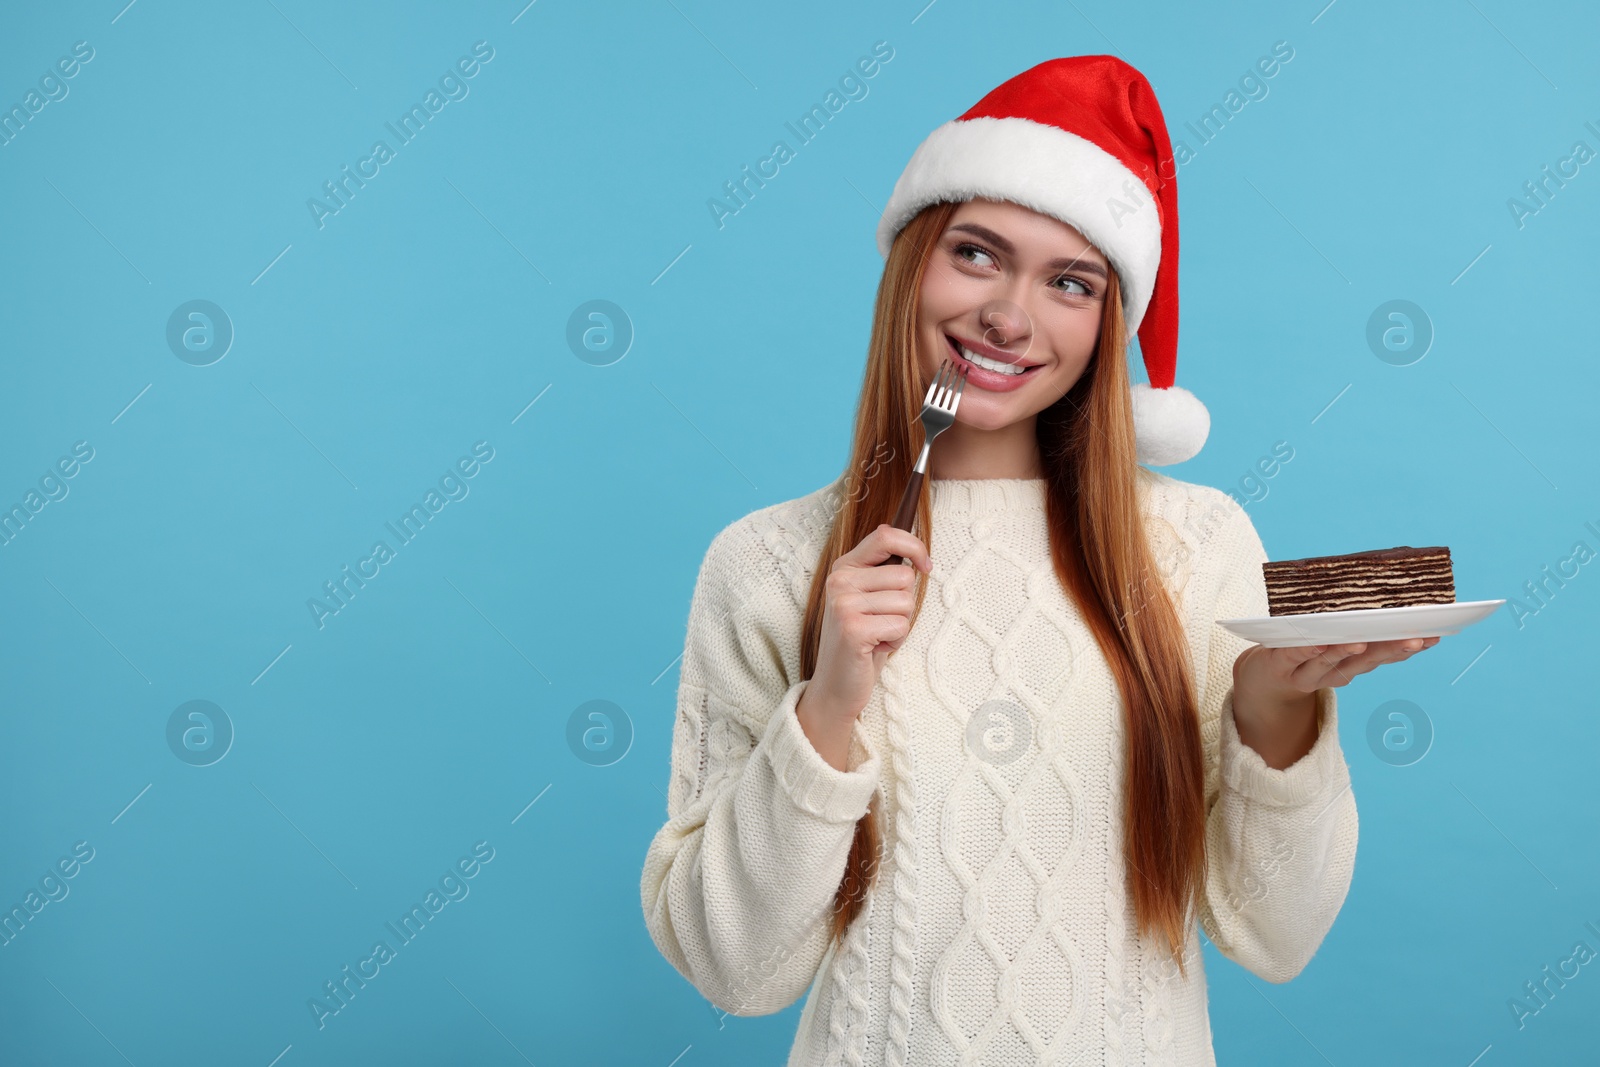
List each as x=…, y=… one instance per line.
x=1065, y=263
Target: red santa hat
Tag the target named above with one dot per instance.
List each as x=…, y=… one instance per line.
x=1081, y=139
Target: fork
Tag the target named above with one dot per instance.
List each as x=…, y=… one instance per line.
x=938, y=415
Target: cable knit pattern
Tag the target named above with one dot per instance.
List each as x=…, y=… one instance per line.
x=999, y=930
x=852, y=989
x=995, y=621
x=902, y=967
x=1115, y=992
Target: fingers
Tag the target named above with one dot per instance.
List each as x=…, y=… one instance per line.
x=1322, y=663
x=886, y=541
x=1362, y=661
x=887, y=629
x=1303, y=653
x=1395, y=651
x=1337, y=664
x=882, y=602
x=873, y=579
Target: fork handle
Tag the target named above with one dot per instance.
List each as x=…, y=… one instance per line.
x=908, y=509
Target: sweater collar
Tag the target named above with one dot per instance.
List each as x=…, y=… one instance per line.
x=975, y=496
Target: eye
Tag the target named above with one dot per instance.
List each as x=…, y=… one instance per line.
x=960, y=250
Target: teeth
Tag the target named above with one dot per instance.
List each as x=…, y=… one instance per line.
x=988, y=364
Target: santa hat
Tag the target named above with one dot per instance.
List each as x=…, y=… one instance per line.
x=1080, y=139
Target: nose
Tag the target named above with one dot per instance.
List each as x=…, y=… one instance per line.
x=1005, y=324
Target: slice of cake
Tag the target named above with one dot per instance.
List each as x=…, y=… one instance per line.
x=1379, y=578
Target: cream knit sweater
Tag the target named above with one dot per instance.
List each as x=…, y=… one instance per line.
x=998, y=929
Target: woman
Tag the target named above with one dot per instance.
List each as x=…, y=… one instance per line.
x=983, y=802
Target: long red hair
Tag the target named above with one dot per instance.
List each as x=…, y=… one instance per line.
x=1100, y=555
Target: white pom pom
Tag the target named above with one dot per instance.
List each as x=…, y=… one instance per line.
x=1170, y=424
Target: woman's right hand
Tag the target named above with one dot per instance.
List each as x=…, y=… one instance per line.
x=866, y=615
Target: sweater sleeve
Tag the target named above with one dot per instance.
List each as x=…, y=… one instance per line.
x=1281, y=844
x=739, y=883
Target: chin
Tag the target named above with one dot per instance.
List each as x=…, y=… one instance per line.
x=995, y=413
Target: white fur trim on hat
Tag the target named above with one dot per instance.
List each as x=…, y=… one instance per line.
x=1169, y=425
x=1047, y=169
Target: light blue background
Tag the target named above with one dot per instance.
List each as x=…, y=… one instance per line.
x=432, y=311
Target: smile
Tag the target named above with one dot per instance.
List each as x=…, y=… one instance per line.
x=991, y=374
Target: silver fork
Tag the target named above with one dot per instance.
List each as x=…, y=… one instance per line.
x=938, y=415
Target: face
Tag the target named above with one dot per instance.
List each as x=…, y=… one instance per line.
x=1021, y=288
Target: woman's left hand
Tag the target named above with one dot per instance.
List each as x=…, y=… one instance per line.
x=1274, y=706
x=1290, y=672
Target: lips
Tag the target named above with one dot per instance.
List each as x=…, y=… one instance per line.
x=986, y=350
x=990, y=380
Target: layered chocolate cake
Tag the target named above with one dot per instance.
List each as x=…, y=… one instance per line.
x=1379, y=578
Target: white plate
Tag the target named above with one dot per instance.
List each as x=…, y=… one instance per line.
x=1361, y=624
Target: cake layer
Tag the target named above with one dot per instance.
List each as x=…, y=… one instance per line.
x=1376, y=578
